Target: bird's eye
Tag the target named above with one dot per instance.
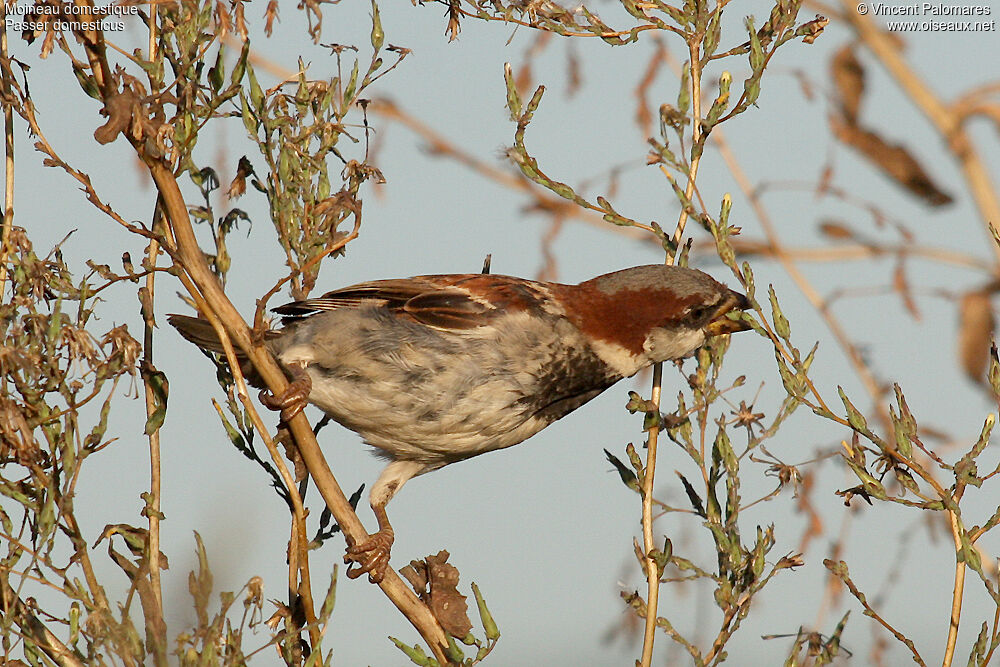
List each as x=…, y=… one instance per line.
x=699, y=313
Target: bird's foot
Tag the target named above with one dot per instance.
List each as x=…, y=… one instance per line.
x=295, y=397
x=372, y=555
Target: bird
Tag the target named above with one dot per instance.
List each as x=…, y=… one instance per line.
x=435, y=369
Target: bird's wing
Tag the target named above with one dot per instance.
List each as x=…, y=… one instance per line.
x=463, y=301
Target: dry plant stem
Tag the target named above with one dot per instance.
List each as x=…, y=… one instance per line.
x=957, y=593
x=299, y=581
x=947, y=120
x=8, y=144
x=303, y=589
x=153, y=252
x=208, y=287
x=652, y=570
x=988, y=660
x=83, y=557
x=871, y=613
x=153, y=500
x=566, y=33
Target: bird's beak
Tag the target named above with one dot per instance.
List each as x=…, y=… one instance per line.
x=720, y=323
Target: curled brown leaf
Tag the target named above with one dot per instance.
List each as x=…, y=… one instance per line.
x=893, y=159
x=975, y=333
x=848, y=81
x=435, y=581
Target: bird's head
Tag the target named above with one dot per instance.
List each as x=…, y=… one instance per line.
x=647, y=314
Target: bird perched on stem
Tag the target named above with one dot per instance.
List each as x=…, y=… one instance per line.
x=436, y=369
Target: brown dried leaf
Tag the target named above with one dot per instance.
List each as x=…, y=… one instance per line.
x=893, y=159
x=292, y=454
x=454, y=26
x=223, y=21
x=270, y=16
x=240, y=22
x=975, y=333
x=281, y=613
x=849, y=81
x=118, y=109
x=811, y=30
x=446, y=603
x=239, y=185
x=436, y=583
x=48, y=44
x=15, y=434
x=833, y=229
x=524, y=77
x=416, y=574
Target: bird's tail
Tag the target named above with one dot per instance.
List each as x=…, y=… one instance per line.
x=199, y=332
x=202, y=334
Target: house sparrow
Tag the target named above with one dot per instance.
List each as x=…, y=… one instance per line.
x=436, y=369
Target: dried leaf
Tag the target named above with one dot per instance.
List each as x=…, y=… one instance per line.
x=240, y=22
x=835, y=230
x=436, y=583
x=454, y=27
x=893, y=159
x=239, y=183
x=849, y=81
x=975, y=333
x=270, y=16
x=811, y=30
x=118, y=109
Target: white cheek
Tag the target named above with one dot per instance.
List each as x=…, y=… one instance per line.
x=662, y=345
x=620, y=360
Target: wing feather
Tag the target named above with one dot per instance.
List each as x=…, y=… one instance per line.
x=430, y=300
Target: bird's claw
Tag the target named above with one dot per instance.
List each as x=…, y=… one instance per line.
x=293, y=400
x=371, y=556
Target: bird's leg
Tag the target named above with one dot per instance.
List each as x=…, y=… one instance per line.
x=372, y=555
x=295, y=397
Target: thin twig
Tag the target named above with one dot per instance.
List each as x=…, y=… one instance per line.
x=956, y=593
x=839, y=570
x=652, y=569
x=152, y=509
